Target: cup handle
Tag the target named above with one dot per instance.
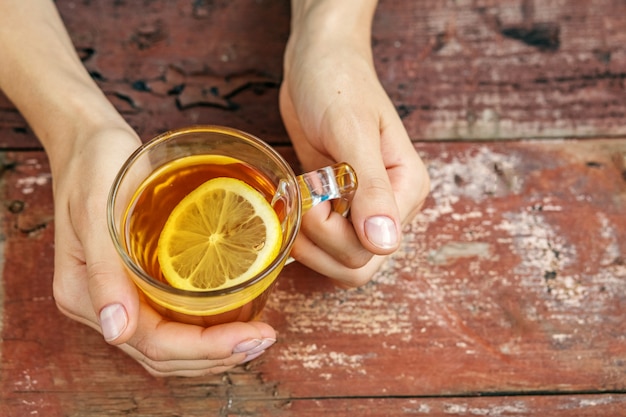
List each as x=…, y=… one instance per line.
x=336, y=183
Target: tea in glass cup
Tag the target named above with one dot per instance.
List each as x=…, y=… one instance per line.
x=204, y=219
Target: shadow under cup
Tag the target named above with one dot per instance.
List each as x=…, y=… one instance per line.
x=242, y=302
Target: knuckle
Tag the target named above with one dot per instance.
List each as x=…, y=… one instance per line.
x=375, y=185
x=354, y=259
x=99, y=275
x=359, y=277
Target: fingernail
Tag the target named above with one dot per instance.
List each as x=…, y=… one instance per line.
x=381, y=231
x=253, y=346
x=247, y=345
x=265, y=343
x=113, y=321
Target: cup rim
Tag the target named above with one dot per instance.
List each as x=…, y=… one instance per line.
x=143, y=149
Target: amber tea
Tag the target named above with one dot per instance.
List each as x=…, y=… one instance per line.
x=166, y=187
x=157, y=196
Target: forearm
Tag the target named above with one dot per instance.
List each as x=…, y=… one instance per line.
x=43, y=76
x=322, y=23
x=351, y=18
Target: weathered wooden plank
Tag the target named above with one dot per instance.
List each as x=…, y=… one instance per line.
x=512, y=281
x=557, y=406
x=504, y=69
x=454, y=69
x=513, y=278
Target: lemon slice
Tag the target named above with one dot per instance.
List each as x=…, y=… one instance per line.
x=221, y=234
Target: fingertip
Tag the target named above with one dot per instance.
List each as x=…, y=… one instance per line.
x=113, y=322
x=265, y=330
x=382, y=232
x=114, y=299
x=119, y=315
x=375, y=217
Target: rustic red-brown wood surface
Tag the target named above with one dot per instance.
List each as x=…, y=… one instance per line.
x=508, y=296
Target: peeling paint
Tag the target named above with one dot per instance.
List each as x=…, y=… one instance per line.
x=28, y=184
x=454, y=250
x=608, y=232
x=365, y=311
x=544, y=253
x=517, y=407
x=478, y=174
x=311, y=357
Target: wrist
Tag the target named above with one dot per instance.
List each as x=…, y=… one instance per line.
x=331, y=17
x=71, y=124
x=324, y=25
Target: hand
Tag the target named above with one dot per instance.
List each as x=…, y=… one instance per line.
x=91, y=285
x=87, y=142
x=335, y=109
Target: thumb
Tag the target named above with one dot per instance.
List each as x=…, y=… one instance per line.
x=374, y=212
x=113, y=295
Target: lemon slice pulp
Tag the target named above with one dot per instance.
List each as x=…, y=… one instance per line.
x=221, y=234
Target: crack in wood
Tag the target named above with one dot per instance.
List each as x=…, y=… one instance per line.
x=214, y=91
x=545, y=36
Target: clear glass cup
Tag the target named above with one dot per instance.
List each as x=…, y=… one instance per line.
x=291, y=196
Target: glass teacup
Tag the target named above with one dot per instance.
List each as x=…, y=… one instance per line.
x=140, y=202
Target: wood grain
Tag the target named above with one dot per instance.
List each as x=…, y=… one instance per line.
x=508, y=294
x=454, y=69
x=510, y=284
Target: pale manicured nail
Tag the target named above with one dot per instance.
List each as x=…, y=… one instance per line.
x=253, y=348
x=381, y=231
x=265, y=343
x=113, y=321
x=247, y=346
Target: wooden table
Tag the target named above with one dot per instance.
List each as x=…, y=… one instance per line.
x=508, y=296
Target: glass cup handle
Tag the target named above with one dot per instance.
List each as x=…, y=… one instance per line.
x=335, y=183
